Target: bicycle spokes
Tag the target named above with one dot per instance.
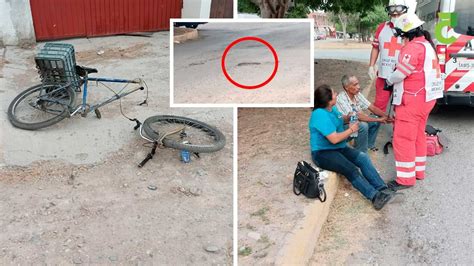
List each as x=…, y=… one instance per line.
x=43, y=103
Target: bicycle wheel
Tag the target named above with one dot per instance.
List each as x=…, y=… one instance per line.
x=187, y=134
x=40, y=106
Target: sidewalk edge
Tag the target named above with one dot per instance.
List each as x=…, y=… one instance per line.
x=300, y=244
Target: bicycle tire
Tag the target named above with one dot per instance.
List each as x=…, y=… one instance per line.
x=67, y=96
x=216, y=137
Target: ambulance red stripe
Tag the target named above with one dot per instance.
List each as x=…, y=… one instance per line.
x=454, y=77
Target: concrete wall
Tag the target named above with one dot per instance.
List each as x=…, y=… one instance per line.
x=196, y=8
x=16, y=23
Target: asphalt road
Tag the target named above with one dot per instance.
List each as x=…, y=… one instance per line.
x=361, y=55
x=431, y=223
x=198, y=77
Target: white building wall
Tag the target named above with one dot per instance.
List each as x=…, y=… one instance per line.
x=16, y=23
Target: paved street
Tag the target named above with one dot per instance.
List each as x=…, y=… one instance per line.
x=198, y=77
x=434, y=224
x=361, y=55
x=335, y=49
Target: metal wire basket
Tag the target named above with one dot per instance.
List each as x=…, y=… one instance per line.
x=56, y=63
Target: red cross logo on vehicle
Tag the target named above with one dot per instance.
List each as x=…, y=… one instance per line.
x=392, y=46
x=436, y=66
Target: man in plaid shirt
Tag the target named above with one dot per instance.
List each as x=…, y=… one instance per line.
x=369, y=124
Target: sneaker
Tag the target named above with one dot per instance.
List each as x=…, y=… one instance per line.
x=382, y=198
x=393, y=185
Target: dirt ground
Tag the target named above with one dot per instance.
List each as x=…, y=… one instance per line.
x=271, y=142
x=330, y=71
x=73, y=194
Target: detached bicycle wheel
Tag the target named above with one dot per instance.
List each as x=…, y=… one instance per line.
x=41, y=106
x=184, y=133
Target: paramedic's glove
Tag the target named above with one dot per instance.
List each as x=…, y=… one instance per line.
x=372, y=72
x=388, y=86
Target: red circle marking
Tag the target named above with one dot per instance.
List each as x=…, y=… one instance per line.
x=249, y=38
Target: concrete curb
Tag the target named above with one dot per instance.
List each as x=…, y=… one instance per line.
x=188, y=34
x=300, y=244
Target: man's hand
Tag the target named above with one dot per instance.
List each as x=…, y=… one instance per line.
x=382, y=119
x=345, y=118
x=354, y=127
x=372, y=72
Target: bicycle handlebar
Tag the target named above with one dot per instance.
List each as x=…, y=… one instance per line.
x=148, y=157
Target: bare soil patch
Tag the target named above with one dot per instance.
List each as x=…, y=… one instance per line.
x=330, y=71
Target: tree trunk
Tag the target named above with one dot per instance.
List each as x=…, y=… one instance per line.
x=360, y=33
x=272, y=8
x=343, y=19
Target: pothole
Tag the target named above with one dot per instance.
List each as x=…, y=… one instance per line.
x=248, y=64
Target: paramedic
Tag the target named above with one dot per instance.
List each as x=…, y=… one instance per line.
x=416, y=84
x=386, y=48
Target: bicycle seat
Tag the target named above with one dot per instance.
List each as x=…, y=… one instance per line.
x=83, y=71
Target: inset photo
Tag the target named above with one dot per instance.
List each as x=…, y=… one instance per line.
x=239, y=62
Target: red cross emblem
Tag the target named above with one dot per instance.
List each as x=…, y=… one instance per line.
x=392, y=46
x=406, y=59
x=436, y=66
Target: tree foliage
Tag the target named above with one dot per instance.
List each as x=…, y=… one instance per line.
x=247, y=6
x=374, y=17
x=299, y=11
x=352, y=26
x=340, y=8
x=344, y=6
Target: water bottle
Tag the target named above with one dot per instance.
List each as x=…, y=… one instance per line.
x=185, y=155
x=352, y=120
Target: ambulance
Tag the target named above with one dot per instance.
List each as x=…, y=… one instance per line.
x=451, y=25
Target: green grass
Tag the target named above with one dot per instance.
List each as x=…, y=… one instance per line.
x=245, y=251
x=262, y=214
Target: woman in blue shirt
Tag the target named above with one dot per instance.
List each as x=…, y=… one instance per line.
x=330, y=151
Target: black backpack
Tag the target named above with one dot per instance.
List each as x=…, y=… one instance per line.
x=307, y=182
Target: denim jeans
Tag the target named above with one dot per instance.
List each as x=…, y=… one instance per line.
x=356, y=166
x=366, y=136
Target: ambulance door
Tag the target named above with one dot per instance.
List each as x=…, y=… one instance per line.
x=459, y=56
